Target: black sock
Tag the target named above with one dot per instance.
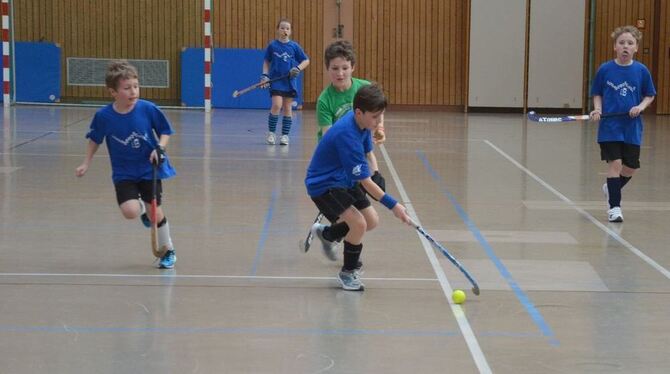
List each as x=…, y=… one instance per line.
x=614, y=190
x=624, y=180
x=162, y=222
x=336, y=232
x=351, y=255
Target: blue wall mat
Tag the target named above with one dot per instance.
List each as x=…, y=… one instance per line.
x=38, y=72
x=232, y=69
x=192, y=77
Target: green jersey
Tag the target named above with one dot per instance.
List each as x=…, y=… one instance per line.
x=333, y=104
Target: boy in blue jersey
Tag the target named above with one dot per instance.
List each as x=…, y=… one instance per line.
x=129, y=127
x=621, y=85
x=283, y=57
x=338, y=165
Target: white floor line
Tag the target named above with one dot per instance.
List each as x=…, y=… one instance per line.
x=456, y=310
x=197, y=276
x=584, y=213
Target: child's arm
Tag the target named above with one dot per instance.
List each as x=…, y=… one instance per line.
x=91, y=148
x=636, y=110
x=597, y=108
x=296, y=70
x=372, y=161
x=387, y=200
x=264, y=74
x=158, y=154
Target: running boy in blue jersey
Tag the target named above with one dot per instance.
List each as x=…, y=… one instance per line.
x=129, y=127
x=338, y=164
x=621, y=85
x=283, y=57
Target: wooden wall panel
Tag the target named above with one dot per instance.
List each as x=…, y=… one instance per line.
x=417, y=49
x=148, y=29
x=252, y=24
x=613, y=13
x=663, y=68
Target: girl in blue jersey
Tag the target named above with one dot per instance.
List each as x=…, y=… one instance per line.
x=339, y=163
x=621, y=85
x=129, y=127
x=283, y=57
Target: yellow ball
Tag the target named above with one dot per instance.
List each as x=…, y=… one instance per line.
x=458, y=297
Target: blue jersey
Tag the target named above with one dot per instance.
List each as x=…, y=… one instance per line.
x=282, y=58
x=621, y=88
x=339, y=160
x=130, y=139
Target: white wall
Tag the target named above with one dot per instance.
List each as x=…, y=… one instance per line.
x=497, y=53
x=556, y=53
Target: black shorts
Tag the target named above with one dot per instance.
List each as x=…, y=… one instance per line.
x=130, y=190
x=291, y=93
x=334, y=202
x=629, y=154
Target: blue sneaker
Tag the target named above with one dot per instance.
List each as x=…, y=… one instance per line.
x=350, y=281
x=168, y=260
x=145, y=220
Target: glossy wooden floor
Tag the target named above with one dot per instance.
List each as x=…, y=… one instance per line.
x=520, y=204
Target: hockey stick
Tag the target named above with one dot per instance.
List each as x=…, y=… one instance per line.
x=237, y=93
x=554, y=119
x=475, y=286
x=158, y=253
x=304, y=245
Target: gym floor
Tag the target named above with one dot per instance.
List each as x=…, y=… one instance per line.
x=518, y=203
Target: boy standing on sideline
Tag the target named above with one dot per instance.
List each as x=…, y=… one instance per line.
x=339, y=163
x=128, y=126
x=283, y=58
x=621, y=85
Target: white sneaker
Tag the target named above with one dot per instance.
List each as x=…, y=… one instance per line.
x=327, y=245
x=270, y=138
x=283, y=140
x=615, y=215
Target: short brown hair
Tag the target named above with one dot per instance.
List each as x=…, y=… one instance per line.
x=118, y=70
x=370, y=98
x=340, y=48
x=637, y=34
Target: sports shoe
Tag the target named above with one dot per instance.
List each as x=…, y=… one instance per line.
x=144, y=217
x=350, y=281
x=168, y=260
x=327, y=245
x=146, y=221
x=614, y=214
x=359, y=269
x=283, y=140
x=270, y=138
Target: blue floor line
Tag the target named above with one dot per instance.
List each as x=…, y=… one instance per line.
x=264, y=234
x=523, y=298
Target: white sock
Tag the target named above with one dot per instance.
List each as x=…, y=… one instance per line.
x=164, y=236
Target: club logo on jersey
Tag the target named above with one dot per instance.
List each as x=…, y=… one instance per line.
x=284, y=56
x=342, y=110
x=357, y=170
x=133, y=139
x=622, y=88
